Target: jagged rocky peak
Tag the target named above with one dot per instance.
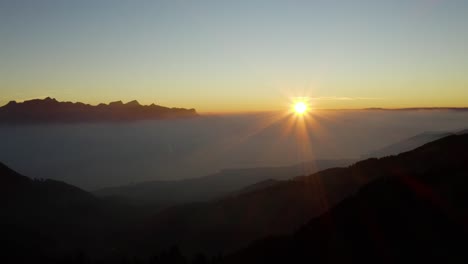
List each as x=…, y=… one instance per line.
x=133, y=103
x=116, y=103
x=50, y=99
x=47, y=100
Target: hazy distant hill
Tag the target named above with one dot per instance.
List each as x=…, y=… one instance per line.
x=419, y=109
x=407, y=144
x=415, y=213
x=50, y=110
x=256, y=187
x=164, y=193
x=266, y=209
x=411, y=143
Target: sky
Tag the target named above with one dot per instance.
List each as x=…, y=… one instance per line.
x=228, y=56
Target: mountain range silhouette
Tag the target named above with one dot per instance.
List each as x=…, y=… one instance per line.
x=50, y=110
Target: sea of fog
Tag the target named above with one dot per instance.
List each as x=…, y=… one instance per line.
x=92, y=156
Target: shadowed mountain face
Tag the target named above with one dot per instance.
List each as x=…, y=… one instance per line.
x=165, y=193
x=16, y=188
x=415, y=213
x=44, y=221
x=29, y=206
x=51, y=111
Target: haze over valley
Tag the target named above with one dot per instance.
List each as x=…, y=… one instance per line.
x=98, y=155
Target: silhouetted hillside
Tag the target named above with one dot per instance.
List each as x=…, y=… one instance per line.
x=233, y=222
x=50, y=110
x=18, y=192
x=415, y=213
x=166, y=193
x=98, y=226
x=51, y=219
x=414, y=209
x=43, y=221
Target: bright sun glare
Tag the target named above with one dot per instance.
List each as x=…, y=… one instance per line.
x=300, y=108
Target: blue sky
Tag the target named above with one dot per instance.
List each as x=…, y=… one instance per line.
x=236, y=55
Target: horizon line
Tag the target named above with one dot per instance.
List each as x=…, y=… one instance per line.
x=234, y=112
x=424, y=108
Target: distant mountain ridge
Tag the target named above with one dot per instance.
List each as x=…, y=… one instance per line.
x=418, y=109
x=407, y=144
x=165, y=193
x=49, y=110
x=411, y=143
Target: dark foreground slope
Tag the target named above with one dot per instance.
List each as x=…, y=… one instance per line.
x=44, y=221
x=52, y=220
x=416, y=209
x=50, y=110
x=416, y=213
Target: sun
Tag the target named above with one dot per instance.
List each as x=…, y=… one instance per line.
x=300, y=108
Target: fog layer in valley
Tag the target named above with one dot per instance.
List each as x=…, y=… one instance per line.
x=93, y=156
